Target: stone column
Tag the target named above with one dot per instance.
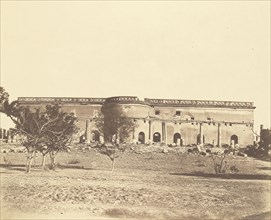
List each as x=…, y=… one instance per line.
x=8, y=137
x=134, y=140
x=218, y=136
x=150, y=133
x=163, y=131
x=88, y=131
x=165, y=128
x=4, y=134
x=201, y=133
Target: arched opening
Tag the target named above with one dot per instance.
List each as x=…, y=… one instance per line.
x=96, y=136
x=141, y=137
x=82, y=138
x=156, y=137
x=177, y=139
x=234, y=140
x=199, y=141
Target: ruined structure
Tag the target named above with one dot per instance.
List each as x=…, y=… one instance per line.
x=171, y=121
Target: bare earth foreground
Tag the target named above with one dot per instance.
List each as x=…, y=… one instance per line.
x=142, y=186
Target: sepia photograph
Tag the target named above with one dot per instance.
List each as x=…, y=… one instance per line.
x=120, y=110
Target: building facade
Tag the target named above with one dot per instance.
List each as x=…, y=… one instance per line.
x=169, y=121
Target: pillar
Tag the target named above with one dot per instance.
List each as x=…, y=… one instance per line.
x=150, y=133
x=8, y=137
x=88, y=131
x=201, y=133
x=134, y=140
x=163, y=131
x=4, y=134
x=165, y=127
x=218, y=136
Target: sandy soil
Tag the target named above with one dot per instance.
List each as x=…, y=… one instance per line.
x=158, y=186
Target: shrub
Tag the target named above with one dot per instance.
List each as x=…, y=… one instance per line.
x=208, y=151
x=209, y=145
x=234, y=169
x=225, y=145
x=203, y=153
x=220, y=166
x=193, y=151
x=254, y=151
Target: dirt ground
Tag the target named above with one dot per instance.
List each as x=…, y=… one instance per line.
x=142, y=186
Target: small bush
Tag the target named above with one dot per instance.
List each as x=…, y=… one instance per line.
x=209, y=145
x=225, y=146
x=208, y=151
x=234, y=169
x=73, y=161
x=254, y=151
x=7, y=162
x=220, y=166
x=203, y=153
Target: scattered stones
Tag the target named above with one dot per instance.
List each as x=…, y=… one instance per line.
x=242, y=154
x=165, y=151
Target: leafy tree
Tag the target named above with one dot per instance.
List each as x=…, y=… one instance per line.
x=3, y=98
x=61, y=136
x=116, y=127
x=46, y=130
x=114, y=124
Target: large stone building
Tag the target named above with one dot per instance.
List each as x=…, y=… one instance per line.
x=182, y=122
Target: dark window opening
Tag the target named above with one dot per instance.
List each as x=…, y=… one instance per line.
x=234, y=139
x=96, y=136
x=177, y=139
x=156, y=137
x=141, y=138
x=157, y=112
x=178, y=113
x=192, y=118
x=199, y=140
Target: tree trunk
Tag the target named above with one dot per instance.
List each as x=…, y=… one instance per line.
x=113, y=164
x=43, y=161
x=29, y=161
x=52, y=165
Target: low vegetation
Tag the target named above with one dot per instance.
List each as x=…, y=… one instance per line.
x=139, y=187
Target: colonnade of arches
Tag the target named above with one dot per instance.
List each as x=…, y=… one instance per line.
x=177, y=138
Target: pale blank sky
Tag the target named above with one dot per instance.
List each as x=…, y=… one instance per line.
x=207, y=50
